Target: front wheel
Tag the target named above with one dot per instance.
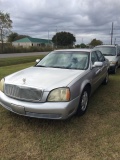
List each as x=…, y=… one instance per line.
x=106, y=79
x=115, y=69
x=83, y=104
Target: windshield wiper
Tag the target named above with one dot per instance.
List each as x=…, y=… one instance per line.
x=108, y=55
x=59, y=67
x=40, y=66
x=56, y=67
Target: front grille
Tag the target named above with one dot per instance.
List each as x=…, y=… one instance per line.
x=23, y=92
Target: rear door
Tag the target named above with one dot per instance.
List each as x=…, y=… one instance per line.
x=104, y=68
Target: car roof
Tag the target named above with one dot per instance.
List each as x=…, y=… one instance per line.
x=106, y=46
x=76, y=49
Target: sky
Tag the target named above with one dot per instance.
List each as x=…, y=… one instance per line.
x=85, y=19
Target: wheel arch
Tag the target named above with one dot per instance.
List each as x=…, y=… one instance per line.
x=84, y=86
x=87, y=87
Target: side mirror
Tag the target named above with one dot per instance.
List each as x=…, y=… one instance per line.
x=97, y=64
x=37, y=60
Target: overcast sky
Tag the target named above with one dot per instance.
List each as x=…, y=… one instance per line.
x=85, y=19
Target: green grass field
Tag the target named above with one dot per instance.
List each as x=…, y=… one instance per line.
x=18, y=60
x=95, y=136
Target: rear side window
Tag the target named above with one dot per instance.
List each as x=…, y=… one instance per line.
x=100, y=56
x=118, y=50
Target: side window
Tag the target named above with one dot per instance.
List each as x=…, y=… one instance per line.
x=94, y=57
x=100, y=56
x=118, y=50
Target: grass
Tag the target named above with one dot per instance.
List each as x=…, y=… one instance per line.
x=19, y=60
x=95, y=136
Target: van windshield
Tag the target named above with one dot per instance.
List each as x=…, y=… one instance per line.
x=107, y=51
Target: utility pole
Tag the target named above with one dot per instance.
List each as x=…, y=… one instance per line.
x=1, y=39
x=48, y=37
x=112, y=33
x=82, y=39
x=56, y=36
x=1, y=34
x=115, y=41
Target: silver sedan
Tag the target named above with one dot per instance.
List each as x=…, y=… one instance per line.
x=57, y=87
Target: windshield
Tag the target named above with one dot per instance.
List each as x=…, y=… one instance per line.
x=107, y=51
x=66, y=60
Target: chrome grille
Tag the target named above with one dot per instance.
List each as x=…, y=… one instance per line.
x=23, y=92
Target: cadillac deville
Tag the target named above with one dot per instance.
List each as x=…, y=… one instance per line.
x=58, y=86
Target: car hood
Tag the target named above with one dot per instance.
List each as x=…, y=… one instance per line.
x=111, y=58
x=44, y=78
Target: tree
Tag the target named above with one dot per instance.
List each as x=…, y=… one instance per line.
x=15, y=36
x=12, y=37
x=95, y=42
x=5, y=25
x=77, y=46
x=82, y=45
x=63, y=39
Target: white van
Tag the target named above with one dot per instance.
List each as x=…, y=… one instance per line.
x=112, y=53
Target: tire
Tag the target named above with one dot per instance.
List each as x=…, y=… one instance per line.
x=83, y=103
x=115, y=69
x=106, y=80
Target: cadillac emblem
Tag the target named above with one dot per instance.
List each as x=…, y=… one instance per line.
x=24, y=80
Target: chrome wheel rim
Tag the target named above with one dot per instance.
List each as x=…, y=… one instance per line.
x=84, y=101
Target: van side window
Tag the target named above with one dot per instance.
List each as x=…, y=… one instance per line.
x=118, y=50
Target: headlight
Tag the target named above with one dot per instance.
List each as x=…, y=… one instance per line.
x=112, y=62
x=59, y=95
x=1, y=85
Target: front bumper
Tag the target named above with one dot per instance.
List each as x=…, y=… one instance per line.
x=47, y=110
x=112, y=67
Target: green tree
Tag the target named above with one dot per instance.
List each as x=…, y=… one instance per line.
x=15, y=36
x=95, y=42
x=77, y=46
x=82, y=45
x=63, y=39
x=5, y=26
x=12, y=37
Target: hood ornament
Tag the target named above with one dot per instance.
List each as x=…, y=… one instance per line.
x=24, y=80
